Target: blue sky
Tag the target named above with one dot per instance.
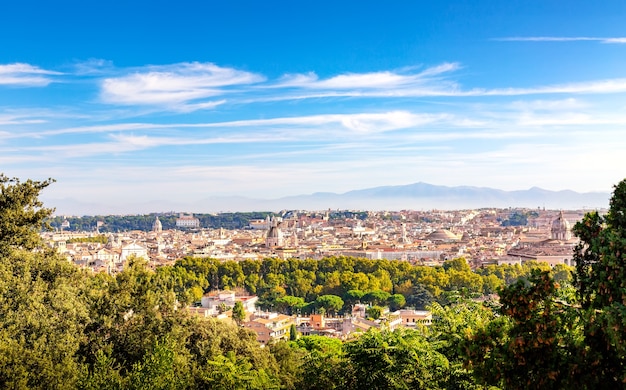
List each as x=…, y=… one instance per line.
x=173, y=102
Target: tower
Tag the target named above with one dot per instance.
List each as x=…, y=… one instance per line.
x=157, y=227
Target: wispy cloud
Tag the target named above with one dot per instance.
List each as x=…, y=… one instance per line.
x=93, y=66
x=367, y=81
x=188, y=87
x=175, y=85
x=590, y=87
x=20, y=74
x=357, y=123
x=361, y=123
x=564, y=39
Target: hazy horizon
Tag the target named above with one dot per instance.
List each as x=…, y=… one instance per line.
x=447, y=198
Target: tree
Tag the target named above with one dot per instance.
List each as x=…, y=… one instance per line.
x=402, y=359
x=374, y=312
x=535, y=344
x=293, y=333
x=239, y=314
x=600, y=280
x=289, y=304
x=396, y=302
x=376, y=297
x=330, y=303
x=321, y=358
x=447, y=332
x=22, y=214
x=420, y=297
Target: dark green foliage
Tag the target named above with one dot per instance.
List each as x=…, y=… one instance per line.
x=115, y=223
x=402, y=359
x=420, y=298
x=535, y=343
x=600, y=281
x=22, y=214
x=549, y=337
x=42, y=320
x=516, y=218
x=330, y=304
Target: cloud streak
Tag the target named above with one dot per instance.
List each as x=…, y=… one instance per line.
x=175, y=85
x=188, y=87
x=25, y=75
x=618, y=40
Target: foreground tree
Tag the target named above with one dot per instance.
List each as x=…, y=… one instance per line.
x=535, y=344
x=600, y=281
x=402, y=359
x=22, y=214
x=545, y=339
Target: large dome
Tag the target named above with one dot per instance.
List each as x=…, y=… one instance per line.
x=560, y=223
x=560, y=228
x=442, y=235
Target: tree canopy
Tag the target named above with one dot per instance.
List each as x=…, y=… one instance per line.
x=22, y=214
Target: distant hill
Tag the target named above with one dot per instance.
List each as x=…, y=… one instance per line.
x=417, y=196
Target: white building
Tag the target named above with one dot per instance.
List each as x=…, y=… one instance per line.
x=187, y=221
x=133, y=249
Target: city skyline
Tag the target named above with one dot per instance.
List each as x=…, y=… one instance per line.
x=148, y=102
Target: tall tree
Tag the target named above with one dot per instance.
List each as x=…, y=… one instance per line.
x=22, y=214
x=239, y=314
x=600, y=280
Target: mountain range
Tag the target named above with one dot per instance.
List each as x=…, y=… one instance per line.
x=417, y=196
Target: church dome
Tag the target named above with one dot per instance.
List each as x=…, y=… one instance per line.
x=442, y=235
x=560, y=228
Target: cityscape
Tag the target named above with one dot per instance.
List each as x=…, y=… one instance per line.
x=480, y=237
x=329, y=195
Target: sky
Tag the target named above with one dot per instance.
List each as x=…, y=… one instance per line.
x=167, y=103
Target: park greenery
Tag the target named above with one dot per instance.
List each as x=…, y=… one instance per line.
x=122, y=223
x=508, y=327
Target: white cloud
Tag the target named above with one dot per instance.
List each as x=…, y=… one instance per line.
x=360, y=123
x=588, y=87
x=368, y=81
x=20, y=74
x=549, y=105
x=175, y=85
x=564, y=39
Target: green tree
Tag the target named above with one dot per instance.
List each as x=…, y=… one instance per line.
x=420, y=297
x=289, y=304
x=374, y=312
x=332, y=304
x=376, y=297
x=293, y=333
x=321, y=358
x=239, y=314
x=22, y=214
x=396, y=302
x=448, y=330
x=43, y=313
x=535, y=344
x=600, y=280
x=403, y=359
